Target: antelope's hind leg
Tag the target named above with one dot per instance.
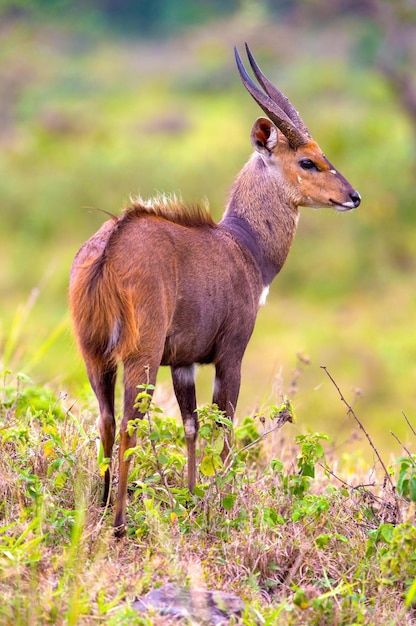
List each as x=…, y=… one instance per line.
x=184, y=385
x=102, y=377
x=137, y=371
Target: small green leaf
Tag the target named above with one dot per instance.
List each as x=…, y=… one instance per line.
x=386, y=532
x=100, y=453
x=224, y=421
x=219, y=443
x=199, y=492
x=276, y=465
x=228, y=501
x=412, y=488
x=308, y=470
x=60, y=480
x=411, y=595
x=323, y=540
x=270, y=516
x=210, y=465
x=205, y=432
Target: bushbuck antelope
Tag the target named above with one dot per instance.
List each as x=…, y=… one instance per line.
x=165, y=285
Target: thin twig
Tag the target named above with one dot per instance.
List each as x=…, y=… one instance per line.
x=364, y=491
x=255, y=442
x=351, y=411
x=365, y=486
x=411, y=457
x=408, y=423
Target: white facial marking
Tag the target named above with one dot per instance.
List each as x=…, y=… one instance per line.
x=264, y=295
x=299, y=179
x=332, y=171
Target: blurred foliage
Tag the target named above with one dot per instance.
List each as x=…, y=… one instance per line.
x=88, y=117
x=158, y=17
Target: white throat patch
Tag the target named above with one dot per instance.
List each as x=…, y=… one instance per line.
x=264, y=295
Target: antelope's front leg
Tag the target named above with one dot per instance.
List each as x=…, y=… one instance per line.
x=225, y=396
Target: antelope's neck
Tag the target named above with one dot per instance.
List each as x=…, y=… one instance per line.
x=261, y=218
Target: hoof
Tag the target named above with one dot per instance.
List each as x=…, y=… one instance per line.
x=120, y=531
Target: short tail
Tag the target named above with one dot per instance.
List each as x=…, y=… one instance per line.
x=103, y=314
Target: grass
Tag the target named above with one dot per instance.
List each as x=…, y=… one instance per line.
x=287, y=527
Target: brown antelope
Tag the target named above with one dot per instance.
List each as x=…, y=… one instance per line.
x=165, y=285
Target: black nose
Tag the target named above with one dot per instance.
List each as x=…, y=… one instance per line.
x=356, y=198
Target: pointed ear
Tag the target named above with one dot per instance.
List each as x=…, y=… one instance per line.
x=264, y=136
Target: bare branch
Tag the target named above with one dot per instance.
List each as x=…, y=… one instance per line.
x=408, y=423
x=351, y=412
x=402, y=445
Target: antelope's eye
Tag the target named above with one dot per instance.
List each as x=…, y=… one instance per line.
x=307, y=164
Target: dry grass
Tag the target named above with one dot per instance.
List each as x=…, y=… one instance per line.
x=295, y=552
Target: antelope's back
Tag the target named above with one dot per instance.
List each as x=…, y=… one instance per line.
x=183, y=288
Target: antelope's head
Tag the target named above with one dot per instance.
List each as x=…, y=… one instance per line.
x=286, y=145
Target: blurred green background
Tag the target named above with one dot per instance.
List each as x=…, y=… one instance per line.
x=103, y=99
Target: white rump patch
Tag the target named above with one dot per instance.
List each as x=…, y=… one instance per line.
x=264, y=295
x=114, y=337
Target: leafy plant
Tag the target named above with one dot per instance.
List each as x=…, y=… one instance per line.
x=214, y=427
x=395, y=547
x=311, y=453
x=279, y=527
x=406, y=482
